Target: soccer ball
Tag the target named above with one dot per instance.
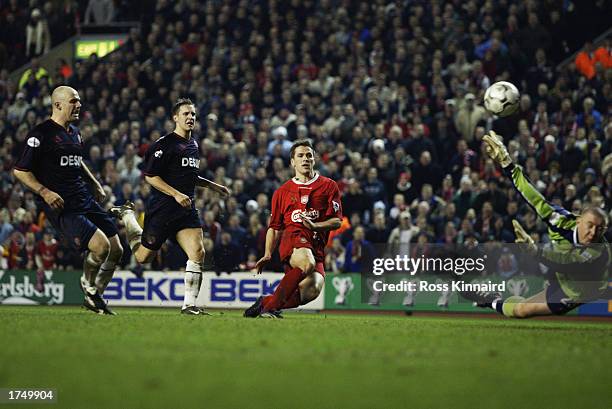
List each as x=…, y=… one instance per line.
x=501, y=98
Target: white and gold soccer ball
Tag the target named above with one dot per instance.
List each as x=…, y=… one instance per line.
x=502, y=98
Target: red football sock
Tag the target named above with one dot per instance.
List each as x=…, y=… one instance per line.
x=265, y=300
x=294, y=301
x=287, y=286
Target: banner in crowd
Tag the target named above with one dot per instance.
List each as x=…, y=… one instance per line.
x=52, y=288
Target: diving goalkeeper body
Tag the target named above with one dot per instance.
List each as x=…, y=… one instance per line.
x=579, y=255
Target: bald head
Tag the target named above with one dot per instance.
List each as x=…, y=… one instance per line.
x=62, y=93
x=66, y=105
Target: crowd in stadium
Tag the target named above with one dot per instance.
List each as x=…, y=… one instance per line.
x=391, y=96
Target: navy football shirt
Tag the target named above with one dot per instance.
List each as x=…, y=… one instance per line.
x=177, y=161
x=55, y=156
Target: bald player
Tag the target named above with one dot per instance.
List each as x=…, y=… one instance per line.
x=52, y=166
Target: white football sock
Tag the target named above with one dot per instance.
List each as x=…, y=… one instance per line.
x=91, y=266
x=193, y=280
x=105, y=275
x=132, y=230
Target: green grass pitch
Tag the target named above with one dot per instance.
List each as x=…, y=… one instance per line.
x=156, y=358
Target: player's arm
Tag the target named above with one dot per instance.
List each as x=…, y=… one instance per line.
x=275, y=229
x=155, y=165
x=333, y=215
x=532, y=196
x=209, y=184
x=159, y=184
x=327, y=225
x=29, y=180
x=272, y=238
x=99, y=192
x=31, y=155
x=554, y=216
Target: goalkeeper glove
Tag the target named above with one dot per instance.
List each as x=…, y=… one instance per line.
x=496, y=150
x=523, y=238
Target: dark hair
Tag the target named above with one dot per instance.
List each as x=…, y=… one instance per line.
x=298, y=143
x=179, y=103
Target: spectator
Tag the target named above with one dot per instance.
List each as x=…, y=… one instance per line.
x=46, y=252
x=427, y=172
x=225, y=259
x=38, y=38
x=359, y=252
x=402, y=235
x=468, y=117
x=16, y=112
x=585, y=61
x=280, y=134
x=336, y=257
x=35, y=71
x=379, y=232
x=102, y=12
x=603, y=54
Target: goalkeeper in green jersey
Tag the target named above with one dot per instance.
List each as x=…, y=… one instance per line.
x=579, y=255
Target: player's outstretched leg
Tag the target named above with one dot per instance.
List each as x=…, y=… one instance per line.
x=125, y=213
x=302, y=264
x=516, y=306
x=300, y=285
x=309, y=289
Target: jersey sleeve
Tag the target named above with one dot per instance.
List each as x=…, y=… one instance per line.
x=156, y=160
x=556, y=217
x=276, y=217
x=334, y=204
x=31, y=153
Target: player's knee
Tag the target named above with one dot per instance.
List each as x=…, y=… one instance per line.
x=310, y=293
x=308, y=266
x=198, y=254
x=101, y=250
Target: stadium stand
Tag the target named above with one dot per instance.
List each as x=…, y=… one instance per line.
x=389, y=91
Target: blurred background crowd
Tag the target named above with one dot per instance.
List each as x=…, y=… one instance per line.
x=390, y=92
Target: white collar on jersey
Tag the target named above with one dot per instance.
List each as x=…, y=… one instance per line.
x=297, y=182
x=575, y=237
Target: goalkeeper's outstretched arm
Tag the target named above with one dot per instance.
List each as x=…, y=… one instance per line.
x=555, y=216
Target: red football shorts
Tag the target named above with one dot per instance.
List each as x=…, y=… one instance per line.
x=296, y=240
x=319, y=267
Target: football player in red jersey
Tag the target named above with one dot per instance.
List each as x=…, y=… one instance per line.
x=304, y=210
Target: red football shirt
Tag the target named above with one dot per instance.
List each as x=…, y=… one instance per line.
x=319, y=199
x=48, y=253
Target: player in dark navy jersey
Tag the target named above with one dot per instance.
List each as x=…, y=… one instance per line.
x=172, y=167
x=52, y=166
